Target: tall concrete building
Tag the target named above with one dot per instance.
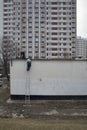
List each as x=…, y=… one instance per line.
x=41, y=28
x=81, y=48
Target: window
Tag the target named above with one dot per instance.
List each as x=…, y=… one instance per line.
x=54, y=54
x=54, y=13
x=54, y=8
x=54, y=3
x=54, y=33
x=54, y=49
x=64, y=44
x=54, y=18
x=64, y=18
x=54, y=28
x=54, y=23
x=64, y=23
x=54, y=38
x=54, y=44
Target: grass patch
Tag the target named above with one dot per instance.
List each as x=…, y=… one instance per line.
x=31, y=124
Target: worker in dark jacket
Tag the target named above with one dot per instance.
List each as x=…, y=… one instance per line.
x=28, y=64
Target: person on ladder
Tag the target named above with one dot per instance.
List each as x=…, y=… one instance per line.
x=28, y=64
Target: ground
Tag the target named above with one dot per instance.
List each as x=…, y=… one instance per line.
x=35, y=124
x=41, y=114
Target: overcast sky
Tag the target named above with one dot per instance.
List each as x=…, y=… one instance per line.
x=81, y=18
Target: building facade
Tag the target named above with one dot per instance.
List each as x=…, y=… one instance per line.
x=81, y=48
x=41, y=28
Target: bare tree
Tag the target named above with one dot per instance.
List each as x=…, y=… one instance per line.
x=6, y=51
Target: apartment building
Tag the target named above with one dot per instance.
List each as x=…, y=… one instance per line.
x=41, y=28
x=81, y=48
x=7, y=24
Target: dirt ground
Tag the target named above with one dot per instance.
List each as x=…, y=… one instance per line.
x=41, y=109
x=40, y=124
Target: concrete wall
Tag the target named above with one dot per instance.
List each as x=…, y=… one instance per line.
x=49, y=78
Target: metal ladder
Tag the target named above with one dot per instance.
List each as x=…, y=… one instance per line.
x=27, y=90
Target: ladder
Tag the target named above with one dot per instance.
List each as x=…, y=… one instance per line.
x=27, y=89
